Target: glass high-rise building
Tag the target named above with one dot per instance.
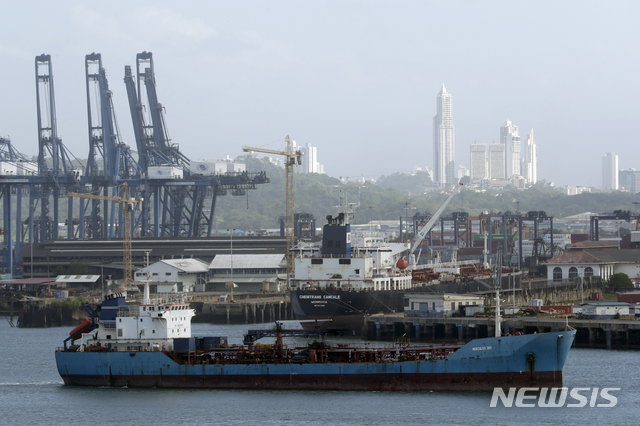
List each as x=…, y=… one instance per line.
x=444, y=152
x=496, y=165
x=478, y=161
x=511, y=140
x=629, y=180
x=610, y=172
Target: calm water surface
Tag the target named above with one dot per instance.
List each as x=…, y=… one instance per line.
x=32, y=392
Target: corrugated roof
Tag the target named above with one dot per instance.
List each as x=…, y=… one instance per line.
x=247, y=261
x=187, y=265
x=605, y=255
x=593, y=245
x=242, y=280
x=28, y=281
x=574, y=256
x=77, y=278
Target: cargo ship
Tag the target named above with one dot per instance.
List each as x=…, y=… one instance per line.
x=343, y=279
x=150, y=345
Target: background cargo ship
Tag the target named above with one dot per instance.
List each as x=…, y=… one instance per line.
x=341, y=281
x=150, y=346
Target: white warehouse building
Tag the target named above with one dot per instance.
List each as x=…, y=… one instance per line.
x=174, y=275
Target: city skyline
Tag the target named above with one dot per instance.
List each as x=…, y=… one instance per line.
x=345, y=77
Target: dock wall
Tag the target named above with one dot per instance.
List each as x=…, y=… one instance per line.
x=243, y=312
x=609, y=334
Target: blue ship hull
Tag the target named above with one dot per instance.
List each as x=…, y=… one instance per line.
x=527, y=360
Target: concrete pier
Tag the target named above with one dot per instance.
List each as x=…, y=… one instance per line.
x=606, y=334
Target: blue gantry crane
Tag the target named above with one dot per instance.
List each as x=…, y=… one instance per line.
x=174, y=194
x=110, y=161
x=56, y=170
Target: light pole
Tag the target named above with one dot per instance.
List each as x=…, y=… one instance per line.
x=102, y=277
x=31, y=238
x=232, y=284
x=406, y=213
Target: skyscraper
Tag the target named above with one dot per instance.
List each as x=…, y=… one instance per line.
x=629, y=180
x=610, y=172
x=497, y=168
x=511, y=140
x=478, y=161
x=530, y=160
x=444, y=141
x=310, y=160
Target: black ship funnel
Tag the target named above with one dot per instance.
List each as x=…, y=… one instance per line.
x=336, y=237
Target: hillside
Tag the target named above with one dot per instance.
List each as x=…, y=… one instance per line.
x=320, y=194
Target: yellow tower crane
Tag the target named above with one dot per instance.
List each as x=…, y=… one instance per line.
x=126, y=232
x=293, y=157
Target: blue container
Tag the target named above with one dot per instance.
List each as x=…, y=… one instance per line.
x=184, y=344
x=58, y=296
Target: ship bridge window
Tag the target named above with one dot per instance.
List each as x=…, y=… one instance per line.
x=316, y=261
x=344, y=261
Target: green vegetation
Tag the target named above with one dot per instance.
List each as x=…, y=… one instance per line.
x=391, y=197
x=70, y=304
x=620, y=281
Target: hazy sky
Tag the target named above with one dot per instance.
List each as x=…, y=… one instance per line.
x=357, y=79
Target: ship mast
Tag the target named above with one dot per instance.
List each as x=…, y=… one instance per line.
x=498, y=283
x=148, y=283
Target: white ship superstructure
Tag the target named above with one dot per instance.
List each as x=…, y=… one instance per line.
x=370, y=266
x=152, y=325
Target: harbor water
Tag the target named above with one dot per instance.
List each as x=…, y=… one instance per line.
x=32, y=392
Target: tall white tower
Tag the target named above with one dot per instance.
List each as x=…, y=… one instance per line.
x=610, y=172
x=444, y=153
x=530, y=160
x=511, y=140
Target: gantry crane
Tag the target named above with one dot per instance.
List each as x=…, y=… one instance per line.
x=126, y=232
x=293, y=157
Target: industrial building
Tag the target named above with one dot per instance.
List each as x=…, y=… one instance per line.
x=426, y=305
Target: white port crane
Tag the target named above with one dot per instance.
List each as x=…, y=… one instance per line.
x=426, y=228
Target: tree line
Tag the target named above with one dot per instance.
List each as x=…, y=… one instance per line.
x=392, y=197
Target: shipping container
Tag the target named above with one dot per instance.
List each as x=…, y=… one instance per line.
x=165, y=172
x=184, y=344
